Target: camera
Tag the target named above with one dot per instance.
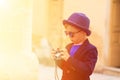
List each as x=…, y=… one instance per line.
x=58, y=55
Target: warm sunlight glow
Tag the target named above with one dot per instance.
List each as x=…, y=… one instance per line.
x=16, y=58
x=3, y=4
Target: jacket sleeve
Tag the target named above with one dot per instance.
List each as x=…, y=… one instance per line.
x=62, y=63
x=85, y=66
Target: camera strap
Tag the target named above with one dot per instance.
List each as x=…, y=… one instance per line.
x=56, y=73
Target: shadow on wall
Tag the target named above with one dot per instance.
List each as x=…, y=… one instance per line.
x=42, y=49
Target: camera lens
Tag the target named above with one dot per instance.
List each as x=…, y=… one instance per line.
x=58, y=56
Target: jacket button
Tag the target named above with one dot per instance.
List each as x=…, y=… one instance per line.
x=68, y=71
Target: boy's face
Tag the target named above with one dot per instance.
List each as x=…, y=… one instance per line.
x=76, y=35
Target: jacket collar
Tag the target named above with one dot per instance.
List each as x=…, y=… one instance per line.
x=81, y=49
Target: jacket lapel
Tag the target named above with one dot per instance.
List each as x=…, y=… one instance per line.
x=80, y=50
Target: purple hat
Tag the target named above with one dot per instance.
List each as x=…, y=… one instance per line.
x=79, y=20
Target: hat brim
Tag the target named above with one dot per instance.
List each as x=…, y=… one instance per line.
x=75, y=24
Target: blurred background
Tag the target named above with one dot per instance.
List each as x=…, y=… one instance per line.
x=47, y=28
x=29, y=29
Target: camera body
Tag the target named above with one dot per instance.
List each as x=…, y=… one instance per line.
x=58, y=55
